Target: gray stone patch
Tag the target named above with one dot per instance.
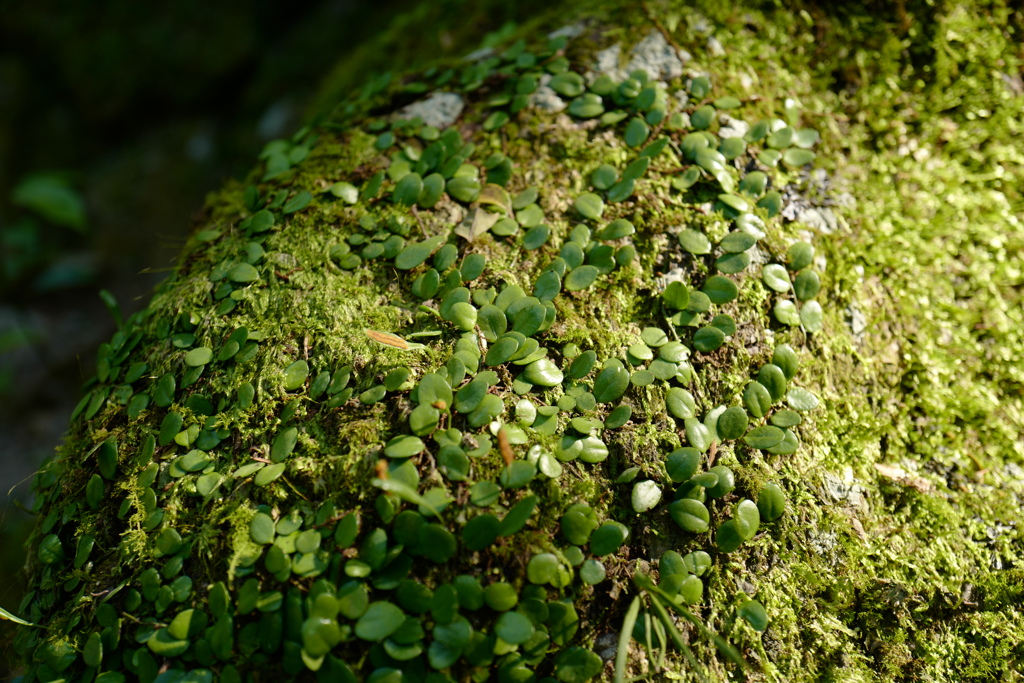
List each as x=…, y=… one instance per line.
x=715, y=48
x=677, y=274
x=653, y=54
x=570, y=31
x=439, y=109
x=449, y=213
x=546, y=99
x=477, y=55
x=758, y=257
x=823, y=544
x=606, y=646
x=1013, y=83
x=843, y=488
x=660, y=60
x=732, y=128
x=821, y=219
x=607, y=62
x=856, y=321
x=700, y=24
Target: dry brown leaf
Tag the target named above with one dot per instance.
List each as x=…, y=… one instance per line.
x=387, y=339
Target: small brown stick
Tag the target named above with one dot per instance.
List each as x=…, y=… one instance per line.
x=506, y=448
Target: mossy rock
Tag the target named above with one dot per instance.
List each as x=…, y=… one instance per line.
x=470, y=373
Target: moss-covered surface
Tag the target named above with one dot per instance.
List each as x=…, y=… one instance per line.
x=897, y=556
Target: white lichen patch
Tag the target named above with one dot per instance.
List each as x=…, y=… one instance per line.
x=477, y=55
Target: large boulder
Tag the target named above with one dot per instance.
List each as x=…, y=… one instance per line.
x=583, y=357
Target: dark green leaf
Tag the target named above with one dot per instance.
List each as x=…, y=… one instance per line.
x=590, y=205
x=577, y=665
x=771, y=502
x=754, y=614
x=607, y=538
x=708, y=339
x=757, y=399
x=694, y=241
x=764, y=437
x=380, y=620
x=611, y=383
x=480, y=532
x=720, y=289
x=690, y=515
x=802, y=400
x=517, y=516
x=636, y=132
x=300, y=201
x=732, y=424
x=676, y=296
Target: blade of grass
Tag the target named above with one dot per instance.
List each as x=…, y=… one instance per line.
x=648, y=626
x=723, y=646
x=663, y=650
x=625, y=635
x=4, y=614
x=677, y=637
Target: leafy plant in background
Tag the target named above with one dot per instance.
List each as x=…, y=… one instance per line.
x=35, y=247
x=30, y=243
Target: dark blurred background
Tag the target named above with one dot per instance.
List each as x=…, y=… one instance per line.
x=115, y=120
